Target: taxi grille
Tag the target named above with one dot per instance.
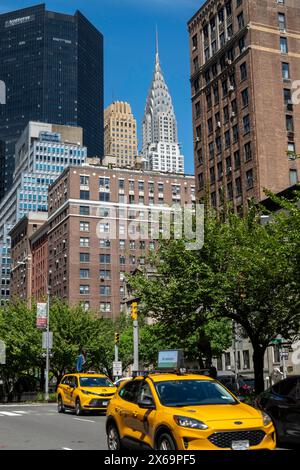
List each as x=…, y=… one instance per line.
x=107, y=394
x=98, y=403
x=225, y=439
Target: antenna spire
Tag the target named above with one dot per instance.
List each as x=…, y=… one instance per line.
x=157, y=51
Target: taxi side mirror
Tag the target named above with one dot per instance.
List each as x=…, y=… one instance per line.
x=146, y=403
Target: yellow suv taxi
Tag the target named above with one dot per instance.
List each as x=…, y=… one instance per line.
x=83, y=392
x=167, y=411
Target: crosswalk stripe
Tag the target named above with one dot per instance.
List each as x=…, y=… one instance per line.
x=8, y=413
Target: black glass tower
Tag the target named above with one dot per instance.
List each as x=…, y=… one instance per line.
x=52, y=66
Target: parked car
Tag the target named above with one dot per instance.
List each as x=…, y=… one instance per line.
x=282, y=403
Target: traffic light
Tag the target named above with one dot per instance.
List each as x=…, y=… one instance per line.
x=134, y=311
x=117, y=338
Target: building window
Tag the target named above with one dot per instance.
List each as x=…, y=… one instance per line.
x=105, y=307
x=237, y=159
x=283, y=45
x=293, y=177
x=105, y=274
x=84, y=242
x=198, y=109
x=226, y=114
x=281, y=21
x=84, y=257
x=84, y=273
x=246, y=122
x=210, y=125
x=241, y=21
x=84, y=226
x=225, y=88
x=105, y=290
x=248, y=151
x=245, y=97
x=249, y=178
x=104, y=259
x=285, y=71
x=229, y=191
x=289, y=123
x=213, y=199
x=122, y=260
x=84, y=195
x=238, y=187
x=104, y=197
x=201, y=181
x=219, y=145
x=84, y=210
x=104, y=243
x=227, y=139
x=235, y=131
x=244, y=71
x=212, y=175
x=84, y=180
x=84, y=290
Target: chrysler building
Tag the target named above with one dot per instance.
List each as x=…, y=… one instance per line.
x=161, y=150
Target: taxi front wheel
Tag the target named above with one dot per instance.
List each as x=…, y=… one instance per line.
x=60, y=405
x=166, y=442
x=78, y=409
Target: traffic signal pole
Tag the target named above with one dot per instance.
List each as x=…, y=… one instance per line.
x=135, y=345
x=134, y=317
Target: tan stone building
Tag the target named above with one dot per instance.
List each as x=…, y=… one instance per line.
x=120, y=134
x=245, y=58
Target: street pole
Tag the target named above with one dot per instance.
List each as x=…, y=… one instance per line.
x=116, y=352
x=47, y=350
x=235, y=352
x=135, y=345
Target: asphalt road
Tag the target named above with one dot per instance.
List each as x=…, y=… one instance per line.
x=40, y=427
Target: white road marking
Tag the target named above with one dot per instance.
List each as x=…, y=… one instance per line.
x=85, y=420
x=8, y=413
x=66, y=448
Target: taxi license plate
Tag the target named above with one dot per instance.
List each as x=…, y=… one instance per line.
x=105, y=403
x=240, y=445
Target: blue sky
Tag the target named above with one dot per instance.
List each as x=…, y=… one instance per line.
x=128, y=27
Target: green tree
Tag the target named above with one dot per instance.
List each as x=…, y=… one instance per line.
x=23, y=345
x=245, y=272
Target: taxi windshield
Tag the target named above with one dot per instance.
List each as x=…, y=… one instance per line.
x=95, y=382
x=193, y=393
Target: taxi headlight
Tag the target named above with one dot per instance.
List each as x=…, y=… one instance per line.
x=186, y=422
x=266, y=419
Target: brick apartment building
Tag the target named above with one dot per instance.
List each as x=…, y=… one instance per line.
x=245, y=56
x=86, y=263
x=21, y=255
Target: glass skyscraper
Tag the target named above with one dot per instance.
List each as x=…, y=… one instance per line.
x=52, y=65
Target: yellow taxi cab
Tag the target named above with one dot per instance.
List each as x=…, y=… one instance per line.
x=83, y=392
x=171, y=411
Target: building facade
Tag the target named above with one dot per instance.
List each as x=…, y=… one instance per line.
x=42, y=153
x=21, y=268
x=244, y=58
x=120, y=134
x=98, y=232
x=160, y=148
x=52, y=65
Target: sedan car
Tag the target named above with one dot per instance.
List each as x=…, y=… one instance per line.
x=168, y=411
x=282, y=403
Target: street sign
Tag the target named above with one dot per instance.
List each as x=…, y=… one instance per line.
x=47, y=340
x=80, y=362
x=117, y=368
x=284, y=355
x=2, y=352
x=41, y=316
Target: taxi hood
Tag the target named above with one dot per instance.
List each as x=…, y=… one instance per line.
x=230, y=412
